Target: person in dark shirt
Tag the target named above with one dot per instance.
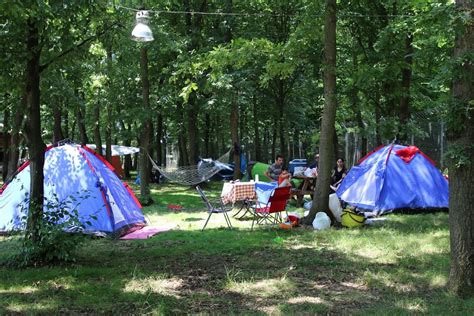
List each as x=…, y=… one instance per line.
x=338, y=174
x=315, y=162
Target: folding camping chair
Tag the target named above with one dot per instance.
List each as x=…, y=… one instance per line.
x=211, y=209
x=270, y=211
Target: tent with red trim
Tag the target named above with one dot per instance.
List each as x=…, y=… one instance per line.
x=395, y=177
x=77, y=179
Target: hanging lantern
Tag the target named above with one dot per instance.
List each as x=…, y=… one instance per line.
x=142, y=32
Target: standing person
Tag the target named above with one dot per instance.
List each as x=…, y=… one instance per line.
x=338, y=174
x=273, y=172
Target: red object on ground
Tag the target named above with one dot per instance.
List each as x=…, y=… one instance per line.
x=175, y=207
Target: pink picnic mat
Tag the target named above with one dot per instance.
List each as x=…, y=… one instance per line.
x=145, y=232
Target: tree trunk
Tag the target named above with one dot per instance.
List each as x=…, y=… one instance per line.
x=109, y=123
x=145, y=138
x=193, y=137
x=234, y=125
x=15, y=138
x=207, y=135
x=461, y=171
x=57, y=116
x=6, y=143
x=404, y=113
x=97, y=138
x=182, y=147
x=66, y=124
x=81, y=125
x=280, y=101
x=35, y=142
x=256, y=121
x=321, y=197
x=127, y=163
x=159, y=138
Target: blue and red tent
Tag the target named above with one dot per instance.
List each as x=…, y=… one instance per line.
x=78, y=179
x=395, y=177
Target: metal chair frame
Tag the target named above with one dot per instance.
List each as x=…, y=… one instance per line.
x=212, y=209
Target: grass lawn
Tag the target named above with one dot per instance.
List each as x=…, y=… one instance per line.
x=399, y=266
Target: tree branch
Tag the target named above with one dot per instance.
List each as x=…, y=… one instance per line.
x=87, y=40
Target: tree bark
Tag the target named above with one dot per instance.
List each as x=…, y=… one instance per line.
x=35, y=142
x=81, y=126
x=15, y=138
x=6, y=143
x=97, y=137
x=256, y=121
x=57, y=117
x=461, y=170
x=109, y=123
x=127, y=163
x=193, y=144
x=145, y=138
x=234, y=135
x=159, y=138
x=404, y=113
x=326, y=149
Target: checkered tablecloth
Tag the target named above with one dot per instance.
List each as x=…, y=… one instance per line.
x=238, y=191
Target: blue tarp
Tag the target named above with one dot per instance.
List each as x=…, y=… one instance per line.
x=80, y=180
x=387, y=180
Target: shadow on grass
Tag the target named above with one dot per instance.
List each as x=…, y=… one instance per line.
x=228, y=271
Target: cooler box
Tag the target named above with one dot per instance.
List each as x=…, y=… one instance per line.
x=296, y=163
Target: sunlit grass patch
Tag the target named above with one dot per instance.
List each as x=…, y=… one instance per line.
x=154, y=284
x=260, y=288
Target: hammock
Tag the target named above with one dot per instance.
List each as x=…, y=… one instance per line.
x=192, y=175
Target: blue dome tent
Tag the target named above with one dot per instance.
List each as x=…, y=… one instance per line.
x=79, y=179
x=395, y=177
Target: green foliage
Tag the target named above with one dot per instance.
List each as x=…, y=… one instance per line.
x=60, y=234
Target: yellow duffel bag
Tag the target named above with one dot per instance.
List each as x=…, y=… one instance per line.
x=350, y=218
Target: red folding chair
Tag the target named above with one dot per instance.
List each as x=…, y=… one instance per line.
x=270, y=211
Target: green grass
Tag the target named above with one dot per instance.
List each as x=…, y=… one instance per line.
x=399, y=266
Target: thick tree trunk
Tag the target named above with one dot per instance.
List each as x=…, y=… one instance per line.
x=461, y=171
x=404, y=113
x=35, y=142
x=234, y=123
x=326, y=149
x=127, y=163
x=57, y=116
x=145, y=138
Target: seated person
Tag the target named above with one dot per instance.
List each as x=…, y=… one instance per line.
x=315, y=162
x=274, y=170
x=338, y=174
x=284, y=178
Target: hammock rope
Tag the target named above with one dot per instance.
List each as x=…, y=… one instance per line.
x=190, y=175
